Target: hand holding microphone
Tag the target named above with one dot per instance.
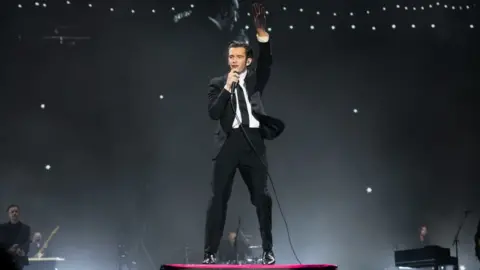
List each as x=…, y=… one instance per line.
x=232, y=80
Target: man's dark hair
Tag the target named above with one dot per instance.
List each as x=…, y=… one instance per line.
x=242, y=44
x=12, y=206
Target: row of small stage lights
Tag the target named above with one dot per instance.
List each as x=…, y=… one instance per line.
x=284, y=8
x=181, y=15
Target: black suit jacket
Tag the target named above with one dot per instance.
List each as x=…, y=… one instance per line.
x=22, y=239
x=219, y=101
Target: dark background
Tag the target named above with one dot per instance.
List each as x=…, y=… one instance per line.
x=127, y=165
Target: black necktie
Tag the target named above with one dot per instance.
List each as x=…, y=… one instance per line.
x=242, y=103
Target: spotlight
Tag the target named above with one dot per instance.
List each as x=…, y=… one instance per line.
x=284, y=8
x=430, y=6
x=48, y=167
x=318, y=12
x=351, y=14
x=333, y=27
x=406, y=8
x=394, y=26
x=269, y=29
x=445, y=6
x=42, y=106
x=44, y=5
x=384, y=9
x=398, y=6
x=414, y=8
x=334, y=14
x=369, y=190
x=291, y=27
x=301, y=10
x=90, y=5
x=133, y=11
x=312, y=27
x=374, y=28
x=173, y=8
x=161, y=96
x=192, y=6
x=353, y=26
x=438, y=3
x=68, y=2
x=248, y=14
x=368, y=11
x=19, y=5
x=355, y=111
x=413, y=26
x=111, y=9
x=432, y=25
x=471, y=26
x=247, y=27
x=37, y=4
x=468, y=7
x=422, y=8
x=153, y=11
x=453, y=7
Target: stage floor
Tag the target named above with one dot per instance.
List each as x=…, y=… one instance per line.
x=249, y=266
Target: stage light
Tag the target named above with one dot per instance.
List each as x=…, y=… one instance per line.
x=422, y=8
x=266, y=12
x=414, y=8
x=351, y=14
x=460, y=7
x=384, y=9
x=301, y=10
x=153, y=11
x=192, y=5
x=453, y=7
x=19, y=5
x=369, y=190
x=438, y=3
x=406, y=8
x=355, y=111
x=445, y=6
x=90, y=5
x=333, y=27
x=432, y=25
x=334, y=14
x=42, y=106
x=468, y=7
x=368, y=11
x=430, y=6
x=173, y=8
x=111, y=9
x=161, y=96
x=353, y=26
x=48, y=167
x=44, y=5
x=471, y=26
x=374, y=28
x=68, y=2
x=248, y=14
x=312, y=27
x=394, y=26
x=291, y=27
x=284, y=8
x=269, y=29
x=398, y=6
x=247, y=27
x=318, y=12
x=133, y=11
x=413, y=26
x=37, y=4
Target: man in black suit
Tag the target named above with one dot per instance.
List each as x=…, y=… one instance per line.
x=15, y=236
x=235, y=101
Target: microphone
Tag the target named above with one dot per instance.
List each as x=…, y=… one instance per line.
x=234, y=84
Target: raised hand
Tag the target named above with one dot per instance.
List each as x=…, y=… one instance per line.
x=260, y=19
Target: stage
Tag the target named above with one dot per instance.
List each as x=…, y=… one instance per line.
x=248, y=266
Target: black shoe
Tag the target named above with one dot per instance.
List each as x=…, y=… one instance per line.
x=268, y=257
x=209, y=258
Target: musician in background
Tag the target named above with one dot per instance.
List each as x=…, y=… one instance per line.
x=15, y=237
x=228, y=252
x=37, y=248
x=424, y=239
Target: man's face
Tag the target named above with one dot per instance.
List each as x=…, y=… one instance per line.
x=232, y=236
x=13, y=214
x=237, y=59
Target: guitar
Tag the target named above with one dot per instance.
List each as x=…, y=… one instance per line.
x=41, y=252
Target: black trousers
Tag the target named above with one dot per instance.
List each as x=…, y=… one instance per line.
x=235, y=154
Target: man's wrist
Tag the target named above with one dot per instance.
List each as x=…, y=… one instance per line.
x=227, y=87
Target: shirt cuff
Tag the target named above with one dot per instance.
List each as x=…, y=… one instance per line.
x=263, y=39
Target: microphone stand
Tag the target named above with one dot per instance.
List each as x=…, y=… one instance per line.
x=456, y=240
x=235, y=245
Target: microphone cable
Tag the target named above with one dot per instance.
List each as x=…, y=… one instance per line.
x=234, y=86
